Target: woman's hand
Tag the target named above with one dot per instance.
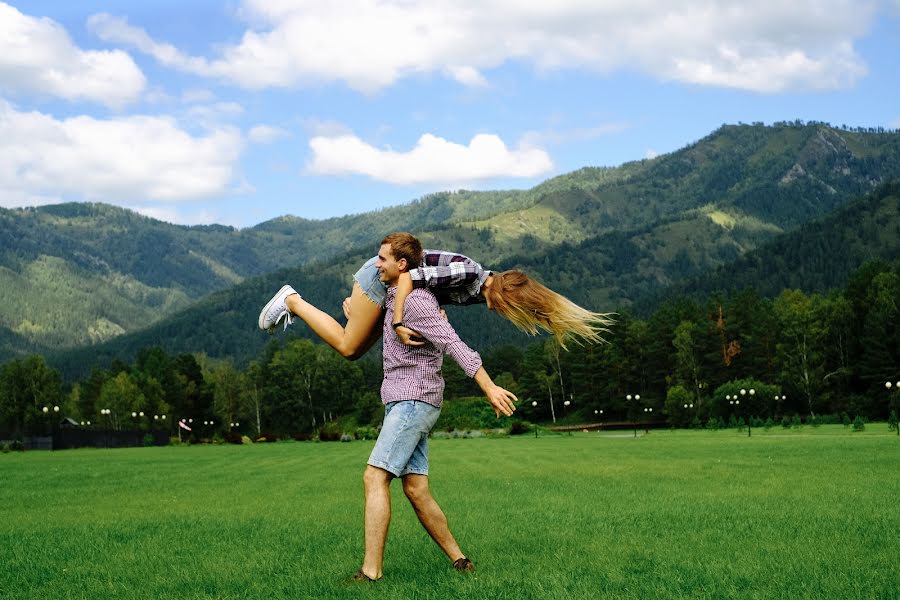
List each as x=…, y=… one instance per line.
x=346, y=307
x=409, y=337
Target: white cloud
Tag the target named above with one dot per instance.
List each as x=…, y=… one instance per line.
x=764, y=46
x=210, y=114
x=266, y=134
x=37, y=57
x=131, y=158
x=468, y=76
x=578, y=134
x=651, y=154
x=434, y=160
x=171, y=214
x=197, y=96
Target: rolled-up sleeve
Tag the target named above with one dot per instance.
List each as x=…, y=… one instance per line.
x=421, y=313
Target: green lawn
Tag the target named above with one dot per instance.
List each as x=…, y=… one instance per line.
x=813, y=513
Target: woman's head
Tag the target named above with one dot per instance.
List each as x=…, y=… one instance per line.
x=532, y=306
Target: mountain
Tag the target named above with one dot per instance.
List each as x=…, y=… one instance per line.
x=816, y=257
x=607, y=237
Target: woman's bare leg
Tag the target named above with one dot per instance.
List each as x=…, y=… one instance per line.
x=351, y=341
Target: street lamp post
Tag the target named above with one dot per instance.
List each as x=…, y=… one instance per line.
x=534, y=405
x=735, y=402
x=632, y=409
x=691, y=407
x=648, y=412
x=887, y=384
x=744, y=392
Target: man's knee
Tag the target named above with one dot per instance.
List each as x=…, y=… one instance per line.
x=416, y=488
x=375, y=477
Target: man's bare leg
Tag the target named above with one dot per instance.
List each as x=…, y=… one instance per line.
x=430, y=514
x=377, y=484
x=351, y=341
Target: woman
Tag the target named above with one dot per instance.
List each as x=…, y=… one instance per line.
x=454, y=279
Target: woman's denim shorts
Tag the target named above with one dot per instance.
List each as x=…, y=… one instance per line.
x=402, y=446
x=368, y=279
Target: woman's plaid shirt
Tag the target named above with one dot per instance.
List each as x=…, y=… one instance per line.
x=454, y=278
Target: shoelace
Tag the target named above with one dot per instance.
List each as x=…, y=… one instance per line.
x=288, y=320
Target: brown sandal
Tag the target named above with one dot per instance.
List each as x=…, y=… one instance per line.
x=464, y=565
x=360, y=576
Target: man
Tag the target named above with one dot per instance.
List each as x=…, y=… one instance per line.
x=412, y=392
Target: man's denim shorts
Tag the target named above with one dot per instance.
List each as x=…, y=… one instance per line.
x=369, y=280
x=402, y=445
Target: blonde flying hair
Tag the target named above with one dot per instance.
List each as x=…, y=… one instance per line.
x=532, y=306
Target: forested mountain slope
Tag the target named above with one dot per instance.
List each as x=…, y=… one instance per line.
x=77, y=274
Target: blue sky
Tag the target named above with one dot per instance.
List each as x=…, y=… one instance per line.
x=240, y=111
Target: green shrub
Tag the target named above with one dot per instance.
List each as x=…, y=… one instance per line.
x=233, y=437
x=845, y=419
x=892, y=421
x=796, y=423
x=768, y=424
x=148, y=440
x=330, y=432
x=5, y=449
x=786, y=422
x=858, y=424
x=519, y=428
x=366, y=433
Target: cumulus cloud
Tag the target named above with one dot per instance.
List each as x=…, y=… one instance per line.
x=433, y=160
x=38, y=57
x=131, y=158
x=763, y=46
x=651, y=154
x=266, y=134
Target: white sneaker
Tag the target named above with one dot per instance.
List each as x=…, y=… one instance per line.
x=276, y=310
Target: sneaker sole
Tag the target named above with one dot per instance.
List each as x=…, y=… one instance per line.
x=262, y=315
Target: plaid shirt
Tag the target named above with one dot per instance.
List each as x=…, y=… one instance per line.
x=414, y=372
x=454, y=278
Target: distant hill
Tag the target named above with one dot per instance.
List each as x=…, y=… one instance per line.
x=608, y=237
x=815, y=258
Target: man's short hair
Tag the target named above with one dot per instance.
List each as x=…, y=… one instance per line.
x=405, y=245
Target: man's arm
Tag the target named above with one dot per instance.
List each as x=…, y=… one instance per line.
x=423, y=314
x=501, y=399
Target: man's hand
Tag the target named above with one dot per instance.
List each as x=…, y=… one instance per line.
x=409, y=337
x=502, y=400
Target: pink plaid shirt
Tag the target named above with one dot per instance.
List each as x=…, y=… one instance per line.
x=414, y=372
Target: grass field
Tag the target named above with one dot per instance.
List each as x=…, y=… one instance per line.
x=813, y=513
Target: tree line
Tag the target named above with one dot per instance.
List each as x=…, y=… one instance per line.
x=802, y=355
